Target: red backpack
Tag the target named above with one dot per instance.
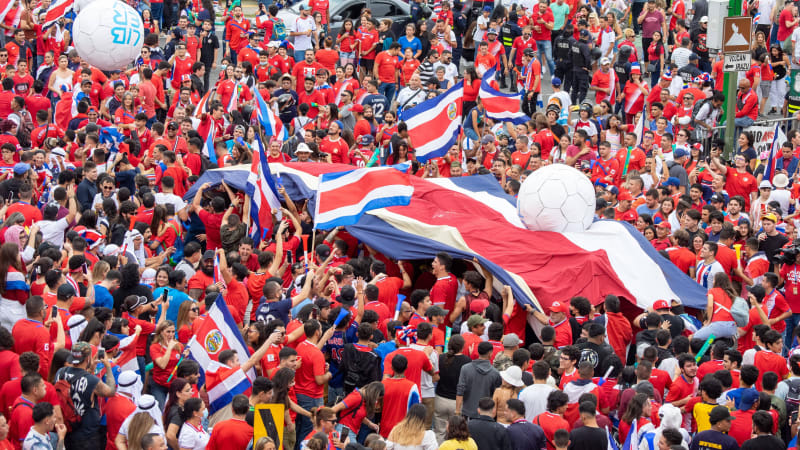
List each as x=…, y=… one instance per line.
x=68, y=410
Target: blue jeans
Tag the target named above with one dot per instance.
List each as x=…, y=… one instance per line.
x=546, y=54
x=159, y=392
x=304, y=425
x=156, y=11
x=742, y=122
x=387, y=90
x=335, y=395
x=718, y=329
x=299, y=55
x=788, y=340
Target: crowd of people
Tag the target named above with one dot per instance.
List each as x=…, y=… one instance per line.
x=109, y=273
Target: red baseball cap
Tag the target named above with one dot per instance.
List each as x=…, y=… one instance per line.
x=660, y=304
x=559, y=307
x=629, y=216
x=664, y=224
x=478, y=305
x=624, y=195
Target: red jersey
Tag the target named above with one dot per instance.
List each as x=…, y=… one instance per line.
x=418, y=362
x=32, y=336
x=313, y=365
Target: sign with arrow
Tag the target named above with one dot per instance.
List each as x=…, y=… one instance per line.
x=736, y=62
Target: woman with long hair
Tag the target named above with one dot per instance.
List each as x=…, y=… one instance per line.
x=324, y=420
x=60, y=78
x=719, y=320
x=193, y=436
x=180, y=390
x=450, y=364
x=150, y=25
x=162, y=276
x=411, y=433
x=639, y=410
x=187, y=314
x=656, y=55
x=399, y=154
x=457, y=436
x=697, y=244
x=93, y=333
x=124, y=116
x=472, y=84
x=145, y=419
x=780, y=67
x=14, y=291
x=40, y=267
x=665, y=209
x=359, y=406
x=166, y=352
x=614, y=134
x=633, y=95
x=347, y=42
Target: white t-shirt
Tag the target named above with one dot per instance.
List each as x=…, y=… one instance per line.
x=300, y=25
x=477, y=36
x=428, y=443
x=796, y=47
x=765, y=8
x=174, y=200
x=193, y=438
x=781, y=196
x=428, y=390
x=535, y=399
x=53, y=231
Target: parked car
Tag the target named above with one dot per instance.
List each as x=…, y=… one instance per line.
x=340, y=10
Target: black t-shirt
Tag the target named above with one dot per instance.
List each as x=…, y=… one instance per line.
x=764, y=442
x=175, y=417
x=120, y=294
x=448, y=375
x=676, y=325
x=770, y=247
x=588, y=438
x=82, y=385
x=597, y=355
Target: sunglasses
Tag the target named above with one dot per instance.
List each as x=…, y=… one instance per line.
x=195, y=309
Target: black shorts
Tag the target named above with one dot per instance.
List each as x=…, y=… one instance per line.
x=367, y=64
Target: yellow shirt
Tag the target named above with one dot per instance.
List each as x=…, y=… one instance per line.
x=700, y=414
x=453, y=444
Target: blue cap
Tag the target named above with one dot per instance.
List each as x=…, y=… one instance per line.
x=492, y=31
x=366, y=139
x=21, y=168
x=614, y=190
x=487, y=9
x=749, y=397
x=680, y=152
x=341, y=125
x=672, y=181
x=555, y=81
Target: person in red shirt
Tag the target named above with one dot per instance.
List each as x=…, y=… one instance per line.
x=770, y=359
x=684, y=387
x=389, y=287
x=558, y=319
x=312, y=97
x=366, y=43
x=121, y=405
x=605, y=169
x=134, y=306
x=313, y=373
x=32, y=335
x=21, y=421
x=177, y=173
x=234, y=433
x=445, y=289
x=334, y=145
x=23, y=81
x=418, y=362
x=211, y=216
x=304, y=69
x=181, y=65
x=553, y=420
x=716, y=363
x=237, y=30
x=399, y=395
x=387, y=69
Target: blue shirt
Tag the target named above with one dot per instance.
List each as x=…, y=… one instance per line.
x=102, y=298
x=414, y=44
x=175, y=297
x=268, y=311
x=335, y=346
x=384, y=349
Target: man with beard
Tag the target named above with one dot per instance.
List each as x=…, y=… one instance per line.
x=365, y=122
x=305, y=68
x=203, y=277
x=334, y=145
x=237, y=30
x=227, y=88
x=310, y=96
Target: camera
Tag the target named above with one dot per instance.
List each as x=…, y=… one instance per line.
x=787, y=255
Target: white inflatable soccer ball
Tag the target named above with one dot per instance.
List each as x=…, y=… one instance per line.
x=556, y=198
x=108, y=34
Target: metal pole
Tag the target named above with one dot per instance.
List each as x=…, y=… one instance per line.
x=730, y=88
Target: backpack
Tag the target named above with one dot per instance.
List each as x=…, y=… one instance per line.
x=63, y=391
x=278, y=30
x=697, y=106
x=740, y=311
x=359, y=368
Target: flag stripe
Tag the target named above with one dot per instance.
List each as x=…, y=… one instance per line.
x=434, y=125
x=378, y=198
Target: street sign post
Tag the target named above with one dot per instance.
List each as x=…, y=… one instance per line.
x=736, y=62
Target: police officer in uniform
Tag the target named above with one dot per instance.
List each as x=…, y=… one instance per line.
x=622, y=69
x=581, y=67
x=508, y=32
x=562, y=55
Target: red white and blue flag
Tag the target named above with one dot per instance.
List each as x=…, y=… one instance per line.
x=56, y=11
x=269, y=121
x=777, y=141
x=343, y=197
x=208, y=148
x=434, y=125
x=262, y=191
x=202, y=105
x=217, y=271
x=218, y=332
x=500, y=106
x=5, y=8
